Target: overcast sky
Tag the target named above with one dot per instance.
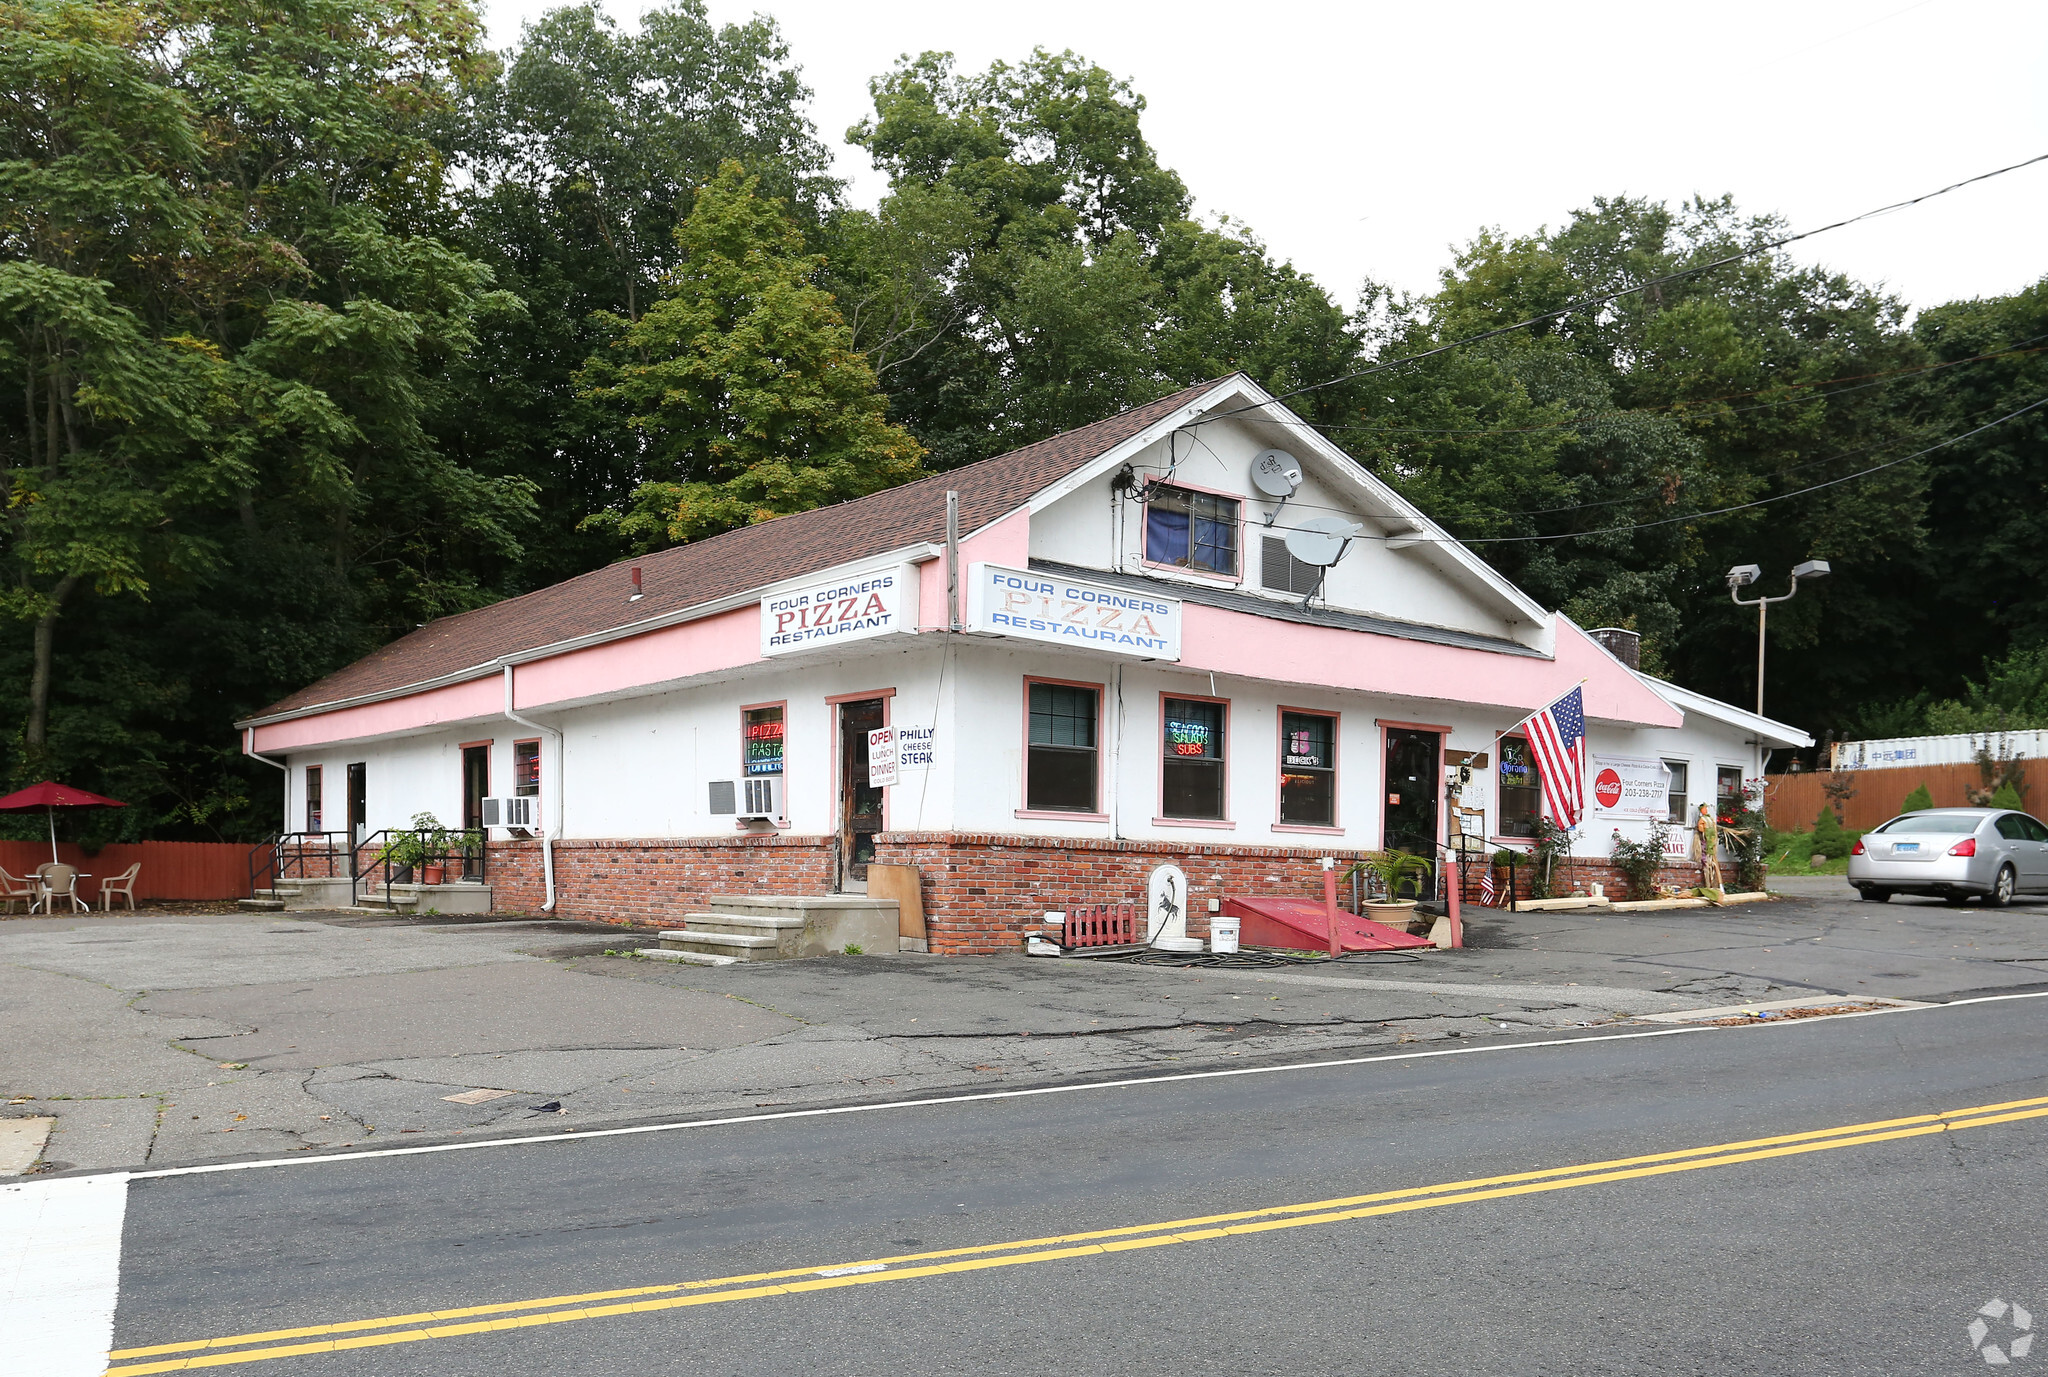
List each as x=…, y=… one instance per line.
x=1363, y=140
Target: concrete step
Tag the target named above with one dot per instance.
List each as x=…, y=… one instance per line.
x=738, y=946
x=692, y=958
x=261, y=905
x=755, y=923
x=809, y=925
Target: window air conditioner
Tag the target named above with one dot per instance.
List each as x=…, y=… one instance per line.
x=520, y=811
x=756, y=797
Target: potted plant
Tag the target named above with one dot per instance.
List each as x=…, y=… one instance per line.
x=1391, y=868
x=419, y=849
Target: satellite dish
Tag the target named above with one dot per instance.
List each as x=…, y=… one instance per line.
x=1276, y=474
x=1322, y=542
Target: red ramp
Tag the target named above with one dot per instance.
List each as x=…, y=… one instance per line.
x=1301, y=925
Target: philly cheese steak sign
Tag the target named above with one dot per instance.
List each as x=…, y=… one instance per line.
x=1042, y=607
x=834, y=611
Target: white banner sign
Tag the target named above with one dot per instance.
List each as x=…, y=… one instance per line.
x=1628, y=786
x=853, y=607
x=1042, y=607
x=915, y=747
x=881, y=757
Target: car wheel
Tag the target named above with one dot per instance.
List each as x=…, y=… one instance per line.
x=2002, y=888
x=1874, y=894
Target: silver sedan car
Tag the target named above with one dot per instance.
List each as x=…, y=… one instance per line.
x=1953, y=853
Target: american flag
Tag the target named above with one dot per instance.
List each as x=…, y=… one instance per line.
x=1487, y=892
x=1557, y=736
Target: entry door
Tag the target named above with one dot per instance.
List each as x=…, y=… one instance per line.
x=1413, y=786
x=476, y=782
x=358, y=802
x=860, y=803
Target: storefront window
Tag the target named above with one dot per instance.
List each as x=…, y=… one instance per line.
x=1308, y=769
x=1195, y=530
x=1674, y=801
x=1728, y=789
x=761, y=730
x=1521, y=789
x=314, y=811
x=1192, y=775
x=1060, y=763
x=526, y=769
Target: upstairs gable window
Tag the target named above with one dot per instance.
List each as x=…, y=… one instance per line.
x=1191, y=530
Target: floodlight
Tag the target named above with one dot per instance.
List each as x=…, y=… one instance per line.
x=1811, y=569
x=1742, y=575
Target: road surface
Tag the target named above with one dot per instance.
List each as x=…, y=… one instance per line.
x=1842, y=1195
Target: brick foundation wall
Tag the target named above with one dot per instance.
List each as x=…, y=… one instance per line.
x=1586, y=870
x=982, y=890
x=656, y=881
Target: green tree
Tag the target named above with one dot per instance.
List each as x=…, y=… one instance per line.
x=223, y=305
x=2007, y=797
x=1829, y=838
x=1919, y=801
x=741, y=383
x=584, y=150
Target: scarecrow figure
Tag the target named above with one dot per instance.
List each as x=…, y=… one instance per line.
x=1706, y=844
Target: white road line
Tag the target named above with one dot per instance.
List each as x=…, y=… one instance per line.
x=60, y=1272
x=567, y=1135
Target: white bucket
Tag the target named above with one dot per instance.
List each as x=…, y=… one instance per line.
x=1223, y=930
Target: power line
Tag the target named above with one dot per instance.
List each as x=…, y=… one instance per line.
x=1617, y=294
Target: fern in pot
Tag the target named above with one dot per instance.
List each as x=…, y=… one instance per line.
x=1389, y=871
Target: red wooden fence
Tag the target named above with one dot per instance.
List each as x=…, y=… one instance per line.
x=170, y=870
x=1792, y=802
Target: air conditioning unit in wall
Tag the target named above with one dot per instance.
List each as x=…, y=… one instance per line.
x=747, y=799
x=521, y=811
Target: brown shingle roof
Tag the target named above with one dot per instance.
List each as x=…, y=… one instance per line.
x=733, y=563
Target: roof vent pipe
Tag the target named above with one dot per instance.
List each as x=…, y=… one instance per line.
x=549, y=820
x=638, y=592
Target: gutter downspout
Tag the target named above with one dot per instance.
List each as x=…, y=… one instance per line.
x=548, y=824
x=249, y=749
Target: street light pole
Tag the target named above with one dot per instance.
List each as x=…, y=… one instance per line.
x=1741, y=576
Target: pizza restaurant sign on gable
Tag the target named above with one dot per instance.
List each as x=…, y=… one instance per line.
x=1041, y=607
x=850, y=607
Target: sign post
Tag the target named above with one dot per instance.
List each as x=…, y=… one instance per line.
x=1330, y=902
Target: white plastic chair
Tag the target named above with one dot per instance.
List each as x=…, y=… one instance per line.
x=13, y=887
x=122, y=884
x=59, y=882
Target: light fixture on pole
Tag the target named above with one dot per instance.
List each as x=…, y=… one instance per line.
x=1741, y=576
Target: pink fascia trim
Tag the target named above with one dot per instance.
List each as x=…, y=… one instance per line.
x=483, y=697
x=714, y=643
x=1229, y=642
x=1006, y=542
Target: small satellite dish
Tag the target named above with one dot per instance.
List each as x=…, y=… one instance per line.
x=1275, y=474
x=1322, y=542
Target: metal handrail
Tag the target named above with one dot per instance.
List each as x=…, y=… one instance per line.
x=468, y=848
x=286, y=853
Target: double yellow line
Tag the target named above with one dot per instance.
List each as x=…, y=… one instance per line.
x=638, y=1300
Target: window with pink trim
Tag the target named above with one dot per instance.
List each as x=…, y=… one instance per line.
x=1191, y=529
x=1191, y=776
x=1308, y=769
x=1061, y=758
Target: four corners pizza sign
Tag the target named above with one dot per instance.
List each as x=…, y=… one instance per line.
x=1627, y=786
x=833, y=611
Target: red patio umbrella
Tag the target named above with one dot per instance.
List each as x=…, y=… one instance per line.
x=49, y=797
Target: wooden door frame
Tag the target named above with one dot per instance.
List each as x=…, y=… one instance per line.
x=839, y=784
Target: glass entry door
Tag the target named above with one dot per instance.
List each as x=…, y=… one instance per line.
x=1413, y=785
x=860, y=803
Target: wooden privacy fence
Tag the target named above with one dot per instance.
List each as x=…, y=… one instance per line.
x=1792, y=802
x=170, y=870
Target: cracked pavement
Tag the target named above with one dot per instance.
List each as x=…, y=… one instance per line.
x=157, y=1041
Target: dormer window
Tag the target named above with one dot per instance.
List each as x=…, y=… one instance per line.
x=1194, y=530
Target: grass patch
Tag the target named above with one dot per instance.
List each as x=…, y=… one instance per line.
x=1790, y=852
